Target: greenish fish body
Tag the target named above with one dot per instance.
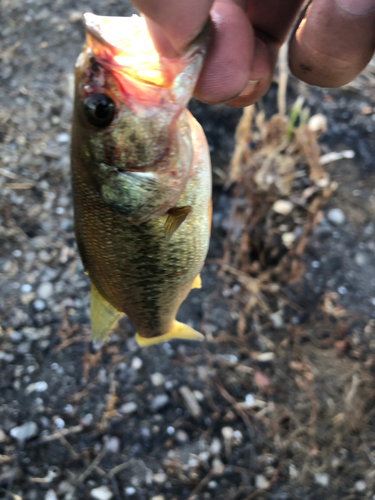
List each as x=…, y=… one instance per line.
x=141, y=179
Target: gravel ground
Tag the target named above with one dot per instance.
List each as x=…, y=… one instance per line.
x=279, y=410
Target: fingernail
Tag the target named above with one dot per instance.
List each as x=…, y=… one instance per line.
x=249, y=89
x=357, y=7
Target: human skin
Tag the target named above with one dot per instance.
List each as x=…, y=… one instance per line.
x=333, y=41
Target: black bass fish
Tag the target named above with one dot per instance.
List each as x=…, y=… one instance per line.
x=141, y=178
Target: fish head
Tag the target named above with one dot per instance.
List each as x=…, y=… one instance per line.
x=129, y=99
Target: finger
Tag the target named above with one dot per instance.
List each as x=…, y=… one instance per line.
x=173, y=24
x=261, y=73
x=333, y=42
x=226, y=70
x=271, y=20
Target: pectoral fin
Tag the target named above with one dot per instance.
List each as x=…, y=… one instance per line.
x=103, y=316
x=176, y=217
x=178, y=331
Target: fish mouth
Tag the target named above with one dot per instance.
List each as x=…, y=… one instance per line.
x=125, y=44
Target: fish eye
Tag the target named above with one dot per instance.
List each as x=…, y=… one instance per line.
x=99, y=110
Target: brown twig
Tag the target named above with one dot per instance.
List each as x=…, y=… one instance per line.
x=213, y=472
x=90, y=468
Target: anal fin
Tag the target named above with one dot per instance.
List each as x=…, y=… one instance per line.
x=197, y=282
x=176, y=216
x=178, y=331
x=103, y=315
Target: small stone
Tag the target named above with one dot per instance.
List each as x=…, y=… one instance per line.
x=24, y=348
x=40, y=386
x=130, y=491
x=293, y=472
x=277, y=320
x=227, y=433
x=261, y=482
x=215, y=446
x=227, y=358
x=137, y=363
x=39, y=305
x=193, y=463
x=204, y=456
x=63, y=137
x=7, y=357
x=75, y=16
x=322, y=478
x=157, y=379
x=129, y=408
x=282, y=207
x=36, y=333
x=24, y=432
x=60, y=423
x=181, y=436
x=360, y=259
x=68, y=409
x=158, y=497
x=249, y=399
x=323, y=182
x=218, y=465
x=101, y=493
x=266, y=357
x=336, y=216
x=159, y=402
x=87, y=419
x=64, y=487
x=112, y=444
x=170, y=430
x=237, y=436
x=360, y=485
x=159, y=478
x=288, y=239
x=213, y=485
x=191, y=403
x=317, y=123
x=45, y=290
x=26, y=288
x=50, y=495
x=16, y=336
x=199, y=396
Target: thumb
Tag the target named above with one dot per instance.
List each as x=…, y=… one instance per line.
x=173, y=24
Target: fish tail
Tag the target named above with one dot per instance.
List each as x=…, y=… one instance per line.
x=178, y=331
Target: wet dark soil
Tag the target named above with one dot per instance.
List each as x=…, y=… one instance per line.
x=276, y=410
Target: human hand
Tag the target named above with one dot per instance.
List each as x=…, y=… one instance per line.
x=332, y=44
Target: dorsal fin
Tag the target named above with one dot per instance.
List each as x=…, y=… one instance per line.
x=176, y=217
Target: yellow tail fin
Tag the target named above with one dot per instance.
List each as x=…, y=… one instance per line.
x=178, y=331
